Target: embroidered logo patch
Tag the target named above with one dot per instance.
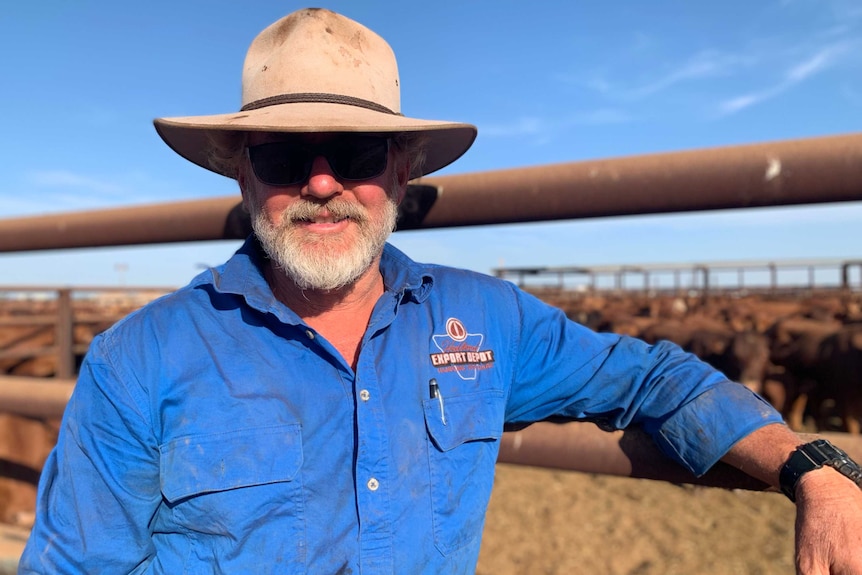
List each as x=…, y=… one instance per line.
x=460, y=351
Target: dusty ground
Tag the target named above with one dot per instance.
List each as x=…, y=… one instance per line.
x=553, y=522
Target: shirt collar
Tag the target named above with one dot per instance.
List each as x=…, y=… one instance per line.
x=243, y=275
x=403, y=276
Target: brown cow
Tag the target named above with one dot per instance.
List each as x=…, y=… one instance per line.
x=823, y=369
x=841, y=383
x=741, y=356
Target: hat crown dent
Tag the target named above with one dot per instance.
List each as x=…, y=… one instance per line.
x=314, y=71
x=316, y=51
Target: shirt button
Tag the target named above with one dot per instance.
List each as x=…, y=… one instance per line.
x=364, y=395
x=373, y=484
x=309, y=333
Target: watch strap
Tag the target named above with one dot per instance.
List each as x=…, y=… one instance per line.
x=815, y=455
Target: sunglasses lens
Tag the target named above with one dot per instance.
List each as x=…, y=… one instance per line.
x=359, y=158
x=280, y=163
x=349, y=157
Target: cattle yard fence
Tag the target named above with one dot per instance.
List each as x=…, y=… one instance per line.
x=770, y=277
x=66, y=317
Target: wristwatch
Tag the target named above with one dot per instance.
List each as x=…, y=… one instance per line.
x=812, y=456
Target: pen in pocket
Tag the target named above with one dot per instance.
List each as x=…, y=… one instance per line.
x=434, y=389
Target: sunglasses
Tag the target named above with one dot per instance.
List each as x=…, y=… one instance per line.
x=350, y=157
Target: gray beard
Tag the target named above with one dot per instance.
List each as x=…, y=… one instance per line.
x=321, y=262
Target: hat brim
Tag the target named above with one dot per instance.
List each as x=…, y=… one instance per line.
x=194, y=137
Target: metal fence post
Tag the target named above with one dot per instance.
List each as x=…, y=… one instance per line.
x=65, y=336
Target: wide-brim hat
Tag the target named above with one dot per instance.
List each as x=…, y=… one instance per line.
x=316, y=71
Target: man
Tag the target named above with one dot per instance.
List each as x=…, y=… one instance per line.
x=321, y=403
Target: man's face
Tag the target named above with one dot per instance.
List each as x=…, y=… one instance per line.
x=324, y=231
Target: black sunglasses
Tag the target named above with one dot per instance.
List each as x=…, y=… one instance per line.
x=351, y=157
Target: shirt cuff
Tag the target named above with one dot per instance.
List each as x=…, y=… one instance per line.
x=703, y=430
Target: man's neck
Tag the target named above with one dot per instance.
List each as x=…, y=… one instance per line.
x=341, y=316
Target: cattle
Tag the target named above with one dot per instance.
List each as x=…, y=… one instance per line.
x=751, y=339
x=840, y=383
x=822, y=363
x=741, y=356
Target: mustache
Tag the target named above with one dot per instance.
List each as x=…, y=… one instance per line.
x=338, y=208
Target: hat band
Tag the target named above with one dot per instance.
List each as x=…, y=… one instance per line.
x=317, y=98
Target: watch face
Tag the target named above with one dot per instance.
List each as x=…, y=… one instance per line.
x=821, y=451
x=813, y=456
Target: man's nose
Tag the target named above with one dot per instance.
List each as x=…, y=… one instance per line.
x=322, y=182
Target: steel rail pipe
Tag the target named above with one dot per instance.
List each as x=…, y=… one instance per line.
x=34, y=397
x=573, y=446
x=188, y=221
x=582, y=446
x=792, y=172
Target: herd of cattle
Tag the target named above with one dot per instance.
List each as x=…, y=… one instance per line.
x=803, y=353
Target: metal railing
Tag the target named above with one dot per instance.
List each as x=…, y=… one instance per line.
x=62, y=309
x=754, y=276
x=783, y=173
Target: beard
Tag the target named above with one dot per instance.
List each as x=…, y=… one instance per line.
x=323, y=261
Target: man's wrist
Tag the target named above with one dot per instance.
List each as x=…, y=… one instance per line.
x=819, y=481
x=812, y=457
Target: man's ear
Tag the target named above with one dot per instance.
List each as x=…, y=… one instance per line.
x=242, y=180
x=402, y=176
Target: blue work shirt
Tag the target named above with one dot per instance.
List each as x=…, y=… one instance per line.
x=212, y=431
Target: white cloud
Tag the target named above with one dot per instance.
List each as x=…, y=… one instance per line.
x=67, y=179
x=797, y=73
x=702, y=65
x=524, y=126
x=535, y=127
x=705, y=64
x=59, y=190
x=741, y=102
x=51, y=191
x=820, y=61
x=765, y=66
x=600, y=117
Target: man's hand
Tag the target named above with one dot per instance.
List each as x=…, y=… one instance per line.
x=828, y=505
x=828, y=524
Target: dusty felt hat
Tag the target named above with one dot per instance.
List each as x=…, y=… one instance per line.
x=316, y=71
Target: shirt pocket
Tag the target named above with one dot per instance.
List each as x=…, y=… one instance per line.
x=465, y=431
x=244, y=485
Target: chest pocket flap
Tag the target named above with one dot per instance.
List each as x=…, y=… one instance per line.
x=463, y=418
x=220, y=461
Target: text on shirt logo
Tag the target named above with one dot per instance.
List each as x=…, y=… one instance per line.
x=460, y=351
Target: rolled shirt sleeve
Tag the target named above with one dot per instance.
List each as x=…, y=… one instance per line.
x=692, y=411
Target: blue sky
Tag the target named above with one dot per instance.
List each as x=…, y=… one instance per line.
x=544, y=82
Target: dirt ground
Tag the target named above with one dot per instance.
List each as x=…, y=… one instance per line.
x=547, y=522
